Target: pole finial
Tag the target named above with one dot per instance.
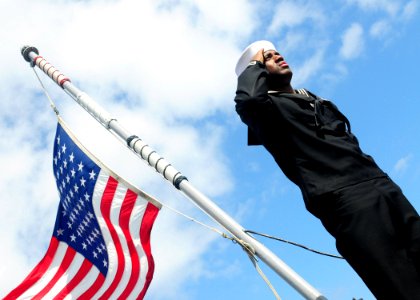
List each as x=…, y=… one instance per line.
x=26, y=50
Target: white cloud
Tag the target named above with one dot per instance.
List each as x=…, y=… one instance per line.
x=290, y=14
x=409, y=10
x=403, y=163
x=309, y=68
x=352, y=42
x=390, y=6
x=380, y=29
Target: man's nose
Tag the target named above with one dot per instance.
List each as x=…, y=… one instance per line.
x=278, y=57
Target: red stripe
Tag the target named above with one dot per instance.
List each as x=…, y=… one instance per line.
x=88, y=295
x=67, y=260
x=36, y=273
x=106, y=202
x=62, y=81
x=146, y=227
x=80, y=275
x=125, y=214
x=36, y=58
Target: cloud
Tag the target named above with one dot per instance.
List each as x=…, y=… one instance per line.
x=403, y=163
x=352, y=42
x=310, y=67
x=380, y=29
x=290, y=14
x=409, y=10
x=389, y=6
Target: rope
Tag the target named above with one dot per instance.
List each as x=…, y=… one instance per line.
x=245, y=246
x=294, y=244
x=251, y=254
x=54, y=108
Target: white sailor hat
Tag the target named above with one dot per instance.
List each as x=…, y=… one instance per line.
x=249, y=53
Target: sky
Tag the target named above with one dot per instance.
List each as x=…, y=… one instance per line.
x=165, y=70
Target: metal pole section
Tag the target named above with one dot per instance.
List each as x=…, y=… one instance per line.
x=31, y=55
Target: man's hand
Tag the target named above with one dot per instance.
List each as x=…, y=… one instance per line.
x=259, y=56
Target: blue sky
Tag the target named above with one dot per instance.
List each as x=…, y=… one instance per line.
x=165, y=69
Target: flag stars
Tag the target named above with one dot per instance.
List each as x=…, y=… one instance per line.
x=92, y=175
x=87, y=197
x=77, y=223
x=72, y=217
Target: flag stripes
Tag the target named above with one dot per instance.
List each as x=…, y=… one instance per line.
x=100, y=248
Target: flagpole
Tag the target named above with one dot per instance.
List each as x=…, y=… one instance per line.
x=171, y=174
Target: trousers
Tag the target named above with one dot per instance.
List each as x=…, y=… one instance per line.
x=377, y=231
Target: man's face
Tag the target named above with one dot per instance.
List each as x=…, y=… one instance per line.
x=275, y=64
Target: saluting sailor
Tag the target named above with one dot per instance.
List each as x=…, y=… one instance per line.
x=376, y=229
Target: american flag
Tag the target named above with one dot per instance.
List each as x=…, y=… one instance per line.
x=100, y=247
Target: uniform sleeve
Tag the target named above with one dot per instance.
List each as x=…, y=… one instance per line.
x=253, y=104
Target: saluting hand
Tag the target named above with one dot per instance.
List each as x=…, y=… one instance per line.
x=259, y=56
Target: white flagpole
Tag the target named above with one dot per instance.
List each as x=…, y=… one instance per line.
x=31, y=55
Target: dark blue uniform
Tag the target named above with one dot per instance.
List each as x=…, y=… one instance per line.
x=376, y=229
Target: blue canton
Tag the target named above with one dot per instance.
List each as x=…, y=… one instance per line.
x=76, y=223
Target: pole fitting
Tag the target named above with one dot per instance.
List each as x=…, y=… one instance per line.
x=26, y=50
x=178, y=181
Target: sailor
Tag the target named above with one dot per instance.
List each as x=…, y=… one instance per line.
x=376, y=229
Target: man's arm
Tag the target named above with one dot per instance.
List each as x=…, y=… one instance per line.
x=252, y=86
x=252, y=101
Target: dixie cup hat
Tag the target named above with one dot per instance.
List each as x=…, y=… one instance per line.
x=249, y=53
